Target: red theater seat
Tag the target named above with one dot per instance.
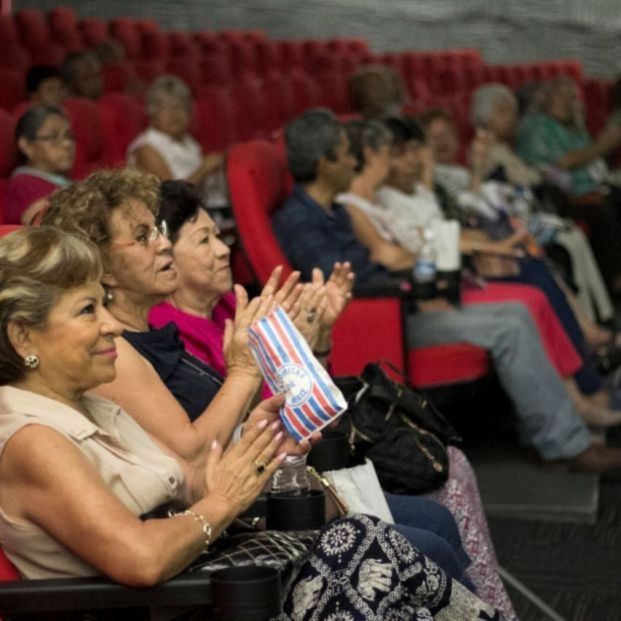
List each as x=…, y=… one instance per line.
x=117, y=76
x=64, y=30
x=87, y=125
x=126, y=30
x=8, y=153
x=34, y=32
x=94, y=30
x=371, y=328
x=214, y=122
x=12, y=88
x=123, y=119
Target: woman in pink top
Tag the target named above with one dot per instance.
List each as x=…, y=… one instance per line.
x=47, y=150
x=202, y=305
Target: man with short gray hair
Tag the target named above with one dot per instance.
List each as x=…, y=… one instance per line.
x=314, y=231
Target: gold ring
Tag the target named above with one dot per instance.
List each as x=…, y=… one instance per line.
x=259, y=467
x=310, y=316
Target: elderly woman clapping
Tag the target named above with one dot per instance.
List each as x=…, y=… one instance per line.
x=176, y=398
x=167, y=150
x=77, y=472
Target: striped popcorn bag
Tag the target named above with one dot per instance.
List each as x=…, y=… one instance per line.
x=311, y=399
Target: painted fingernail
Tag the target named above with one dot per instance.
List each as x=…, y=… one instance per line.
x=262, y=424
x=278, y=436
x=282, y=456
x=214, y=445
x=275, y=425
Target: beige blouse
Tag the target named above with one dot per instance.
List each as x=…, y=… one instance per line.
x=129, y=463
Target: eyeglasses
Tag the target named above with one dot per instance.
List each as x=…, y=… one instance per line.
x=55, y=139
x=148, y=237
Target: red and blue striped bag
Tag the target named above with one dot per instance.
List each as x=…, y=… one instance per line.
x=312, y=401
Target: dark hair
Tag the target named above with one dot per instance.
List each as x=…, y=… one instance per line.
x=436, y=114
x=403, y=130
x=69, y=64
x=31, y=121
x=38, y=74
x=309, y=137
x=364, y=134
x=179, y=203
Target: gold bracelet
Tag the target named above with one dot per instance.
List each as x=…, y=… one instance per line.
x=205, y=525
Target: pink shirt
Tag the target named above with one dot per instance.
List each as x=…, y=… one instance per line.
x=202, y=337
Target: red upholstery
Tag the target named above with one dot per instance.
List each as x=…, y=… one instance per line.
x=123, y=119
x=214, y=122
x=117, y=76
x=7, y=569
x=94, y=30
x=257, y=178
x=87, y=124
x=182, y=45
x=63, y=25
x=12, y=89
x=8, y=152
x=156, y=45
x=125, y=30
x=35, y=35
x=14, y=54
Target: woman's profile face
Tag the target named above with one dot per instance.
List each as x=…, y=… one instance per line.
x=378, y=161
x=141, y=261
x=172, y=116
x=76, y=345
x=202, y=258
x=442, y=139
x=53, y=148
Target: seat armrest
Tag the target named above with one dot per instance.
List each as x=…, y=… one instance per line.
x=391, y=288
x=38, y=596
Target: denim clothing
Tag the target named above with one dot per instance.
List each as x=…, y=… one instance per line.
x=545, y=412
x=431, y=527
x=536, y=273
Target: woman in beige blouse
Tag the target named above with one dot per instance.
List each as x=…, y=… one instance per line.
x=76, y=472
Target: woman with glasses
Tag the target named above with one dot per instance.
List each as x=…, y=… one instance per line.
x=47, y=151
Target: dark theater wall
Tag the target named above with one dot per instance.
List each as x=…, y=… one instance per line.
x=504, y=30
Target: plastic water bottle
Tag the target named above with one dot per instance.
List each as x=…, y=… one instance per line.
x=424, y=274
x=292, y=478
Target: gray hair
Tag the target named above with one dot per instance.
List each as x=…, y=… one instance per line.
x=37, y=265
x=363, y=134
x=484, y=101
x=167, y=87
x=309, y=137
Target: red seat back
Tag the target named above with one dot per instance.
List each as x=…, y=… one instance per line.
x=87, y=125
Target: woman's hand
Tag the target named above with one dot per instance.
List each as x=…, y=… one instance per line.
x=239, y=474
x=288, y=445
x=309, y=311
x=338, y=291
x=287, y=295
x=237, y=352
x=211, y=163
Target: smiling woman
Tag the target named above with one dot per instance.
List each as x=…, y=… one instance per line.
x=117, y=210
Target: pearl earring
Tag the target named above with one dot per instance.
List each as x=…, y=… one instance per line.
x=32, y=361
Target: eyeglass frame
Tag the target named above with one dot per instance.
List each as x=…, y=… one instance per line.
x=54, y=139
x=156, y=230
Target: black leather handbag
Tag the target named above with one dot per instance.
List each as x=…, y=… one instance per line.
x=398, y=429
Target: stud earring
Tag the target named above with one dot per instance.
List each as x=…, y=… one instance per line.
x=32, y=361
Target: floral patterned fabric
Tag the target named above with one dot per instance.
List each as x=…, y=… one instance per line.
x=460, y=495
x=363, y=570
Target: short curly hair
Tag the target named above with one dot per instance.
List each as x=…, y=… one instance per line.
x=37, y=265
x=85, y=208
